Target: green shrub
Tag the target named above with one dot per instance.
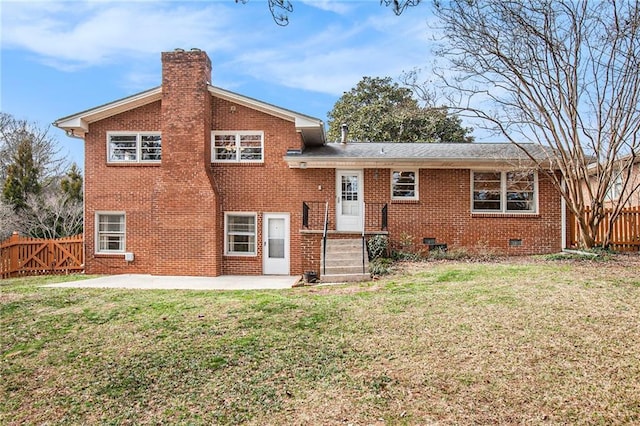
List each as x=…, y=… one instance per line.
x=381, y=266
x=378, y=246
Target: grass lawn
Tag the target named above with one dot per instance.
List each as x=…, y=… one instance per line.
x=520, y=341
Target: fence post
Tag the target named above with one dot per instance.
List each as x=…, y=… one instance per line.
x=13, y=253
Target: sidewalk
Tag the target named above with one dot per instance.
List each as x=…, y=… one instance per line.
x=148, y=282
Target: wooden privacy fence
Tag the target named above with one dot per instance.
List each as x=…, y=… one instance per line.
x=625, y=235
x=21, y=256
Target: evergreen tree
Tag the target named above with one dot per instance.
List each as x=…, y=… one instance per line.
x=71, y=184
x=22, y=177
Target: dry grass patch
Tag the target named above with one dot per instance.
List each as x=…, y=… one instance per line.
x=514, y=341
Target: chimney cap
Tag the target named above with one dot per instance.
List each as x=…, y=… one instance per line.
x=195, y=49
x=178, y=49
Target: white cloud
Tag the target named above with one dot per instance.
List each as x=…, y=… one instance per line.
x=335, y=59
x=339, y=7
x=77, y=34
x=327, y=49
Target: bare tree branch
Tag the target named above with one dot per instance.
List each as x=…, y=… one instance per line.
x=46, y=153
x=562, y=73
x=399, y=6
x=280, y=9
x=52, y=215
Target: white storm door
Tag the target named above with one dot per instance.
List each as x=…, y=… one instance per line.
x=275, y=247
x=349, y=200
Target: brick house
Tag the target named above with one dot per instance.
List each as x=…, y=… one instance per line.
x=191, y=179
x=630, y=193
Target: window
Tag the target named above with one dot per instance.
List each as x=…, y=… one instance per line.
x=615, y=189
x=110, y=230
x=404, y=185
x=504, y=192
x=134, y=147
x=246, y=147
x=240, y=234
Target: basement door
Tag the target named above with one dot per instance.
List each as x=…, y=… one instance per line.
x=275, y=247
x=349, y=200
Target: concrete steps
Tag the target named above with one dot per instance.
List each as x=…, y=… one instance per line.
x=344, y=261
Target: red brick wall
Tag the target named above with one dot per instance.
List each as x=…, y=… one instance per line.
x=175, y=210
x=123, y=188
x=269, y=187
x=443, y=211
x=171, y=208
x=186, y=209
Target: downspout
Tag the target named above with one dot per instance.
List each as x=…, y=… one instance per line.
x=563, y=214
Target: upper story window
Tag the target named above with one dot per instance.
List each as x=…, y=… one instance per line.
x=128, y=147
x=404, y=184
x=504, y=192
x=237, y=146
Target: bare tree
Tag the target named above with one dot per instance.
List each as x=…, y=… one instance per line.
x=52, y=214
x=280, y=9
x=45, y=150
x=399, y=6
x=36, y=200
x=563, y=73
x=8, y=220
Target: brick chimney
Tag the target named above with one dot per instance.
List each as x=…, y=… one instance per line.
x=185, y=201
x=186, y=106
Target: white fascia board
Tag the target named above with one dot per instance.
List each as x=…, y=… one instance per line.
x=304, y=121
x=326, y=163
x=311, y=128
x=78, y=124
x=300, y=120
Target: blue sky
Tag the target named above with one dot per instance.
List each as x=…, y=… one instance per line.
x=62, y=57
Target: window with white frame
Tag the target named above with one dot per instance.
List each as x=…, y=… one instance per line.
x=404, y=184
x=504, y=192
x=129, y=147
x=240, y=234
x=615, y=189
x=110, y=232
x=237, y=146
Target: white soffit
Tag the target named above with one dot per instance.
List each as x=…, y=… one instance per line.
x=78, y=124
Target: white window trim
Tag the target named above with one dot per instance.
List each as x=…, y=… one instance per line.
x=226, y=234
x=138, y=136
x=97, y=233
x=503, y=194
x=416, y=189
x=237, y=134
x=614, y=192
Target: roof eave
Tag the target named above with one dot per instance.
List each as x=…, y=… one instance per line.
x=78, y=124
x=303, y=162
x=311, y=128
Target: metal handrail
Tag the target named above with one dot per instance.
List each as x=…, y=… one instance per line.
x=305, y=215
x=324, y=239
x=363, y=225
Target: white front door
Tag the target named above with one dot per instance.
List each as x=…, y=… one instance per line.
x=349, y=200
x=275, y=247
